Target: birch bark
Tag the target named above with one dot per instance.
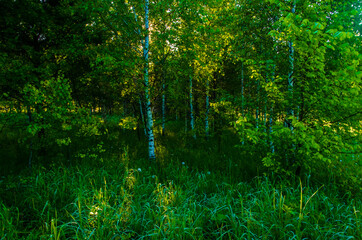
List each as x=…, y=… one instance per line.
x=142, y=116
x=271, y=114
x=257, y=104
x=207, y=109
x=242, y=95
x=242, y=89
x=163, y=107
x=151, y=140
x=192, y=121
x=290, y=111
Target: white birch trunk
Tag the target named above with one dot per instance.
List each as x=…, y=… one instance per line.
x=290, y=111
x=30, y=119
x=192, y=120
x=207, y=109
x=257, y=105
x=151, y=140
x=290, y=80
x=271, y=115
x=242, y=95
x=266, y=97
x=163, y=108
x=140, y=102
x=185, y=117
x=242, y=89
x=142, y=117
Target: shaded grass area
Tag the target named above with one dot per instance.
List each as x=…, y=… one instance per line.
x=139, y=200
x=102, y=187
x=113, y=142
x=13, y=152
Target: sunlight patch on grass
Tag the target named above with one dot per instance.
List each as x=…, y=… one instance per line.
x=174, y=203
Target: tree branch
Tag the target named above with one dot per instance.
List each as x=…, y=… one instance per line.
x=346, y=117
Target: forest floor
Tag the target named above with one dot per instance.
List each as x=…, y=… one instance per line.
x=197, y=189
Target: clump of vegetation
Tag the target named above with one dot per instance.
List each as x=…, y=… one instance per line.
x=132, y=201
x=180, y=119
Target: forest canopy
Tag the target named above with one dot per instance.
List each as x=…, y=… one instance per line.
x=285, y=74
x=172, y=102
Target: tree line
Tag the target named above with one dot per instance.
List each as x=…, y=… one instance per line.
x=285, y=74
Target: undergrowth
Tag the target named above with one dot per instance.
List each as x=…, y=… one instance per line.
x=197, y=189
x=140, y=200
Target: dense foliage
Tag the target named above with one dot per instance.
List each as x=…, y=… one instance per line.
x=270, y=87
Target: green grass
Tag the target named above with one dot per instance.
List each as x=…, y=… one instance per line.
x=139, y=200
x=197, y=189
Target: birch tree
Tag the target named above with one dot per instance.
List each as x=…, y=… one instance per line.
x=290, y=110
x=192, y=120
x=146, y=47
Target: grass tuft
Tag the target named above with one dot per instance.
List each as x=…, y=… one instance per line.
x=139, y=201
